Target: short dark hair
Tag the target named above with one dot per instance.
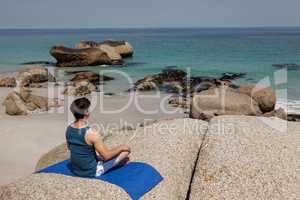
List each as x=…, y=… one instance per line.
x=80, y=107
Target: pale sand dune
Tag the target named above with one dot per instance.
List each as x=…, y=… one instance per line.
x=25, y=138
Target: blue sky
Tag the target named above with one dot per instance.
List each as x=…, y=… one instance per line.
x=150, y=13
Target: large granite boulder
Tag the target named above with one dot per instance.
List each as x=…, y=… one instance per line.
x=34, y=74
x=15, y=105
x=222, y=101
x=171, y=146
x=67, y=57
x=92, y=77
x=8, y=82
x=265, y=97
x=247, y=157
x=24, y=102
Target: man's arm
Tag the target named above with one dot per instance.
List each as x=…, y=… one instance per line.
x=94, y=138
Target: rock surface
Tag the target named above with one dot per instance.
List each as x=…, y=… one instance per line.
x=24, y=102
x=34, y=74
x=91, y=77
x=15, y=105
x=8, y=82
x=248, y=158
x=173, y=80
x=172, y=153
x=117, y=50
x=67, y=57
x=222, y=101
x=265, y=97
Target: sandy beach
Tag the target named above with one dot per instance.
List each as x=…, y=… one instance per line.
x=24, y=139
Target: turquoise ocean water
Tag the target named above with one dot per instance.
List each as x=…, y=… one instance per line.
x=206, y=51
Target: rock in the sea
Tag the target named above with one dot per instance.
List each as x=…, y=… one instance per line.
x=171, y=146
x=246, y=157
x=34, y=75
x=222, y=101
x=92, y=77
x=171, y=78
x=232, y=76
x=265, y=97
x=8, y=82
x=80, y=88
x=23, y=102
x=67, y=57
x=174, y=80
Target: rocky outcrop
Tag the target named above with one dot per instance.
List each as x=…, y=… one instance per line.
x=24, y=102
x=33, y=75
x=174, y=80
x=8, y=82
x=80, y=88
x=171, y=78
x=67, y=57
x=222, y=101
x=265, y=97
x=92, y=77
x=248, y=158
x=172, y=152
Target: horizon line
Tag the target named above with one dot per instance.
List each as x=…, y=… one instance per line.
x=159, y=27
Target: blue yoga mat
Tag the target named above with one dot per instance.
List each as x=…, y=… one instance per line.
x=135, y=178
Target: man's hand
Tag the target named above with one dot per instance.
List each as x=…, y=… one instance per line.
x=125, y=148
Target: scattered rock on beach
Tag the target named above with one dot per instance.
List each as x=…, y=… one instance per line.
x=279, y=113
x=174, y=80
x=15, y=105
x=34, y=75
x=293, y=117
x=8, y=82
x=80, y=88
x=265, y=97
x=67, y=57
x=92, y=77
x=24, y=102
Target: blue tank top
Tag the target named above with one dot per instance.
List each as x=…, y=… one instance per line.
x=83, y=156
